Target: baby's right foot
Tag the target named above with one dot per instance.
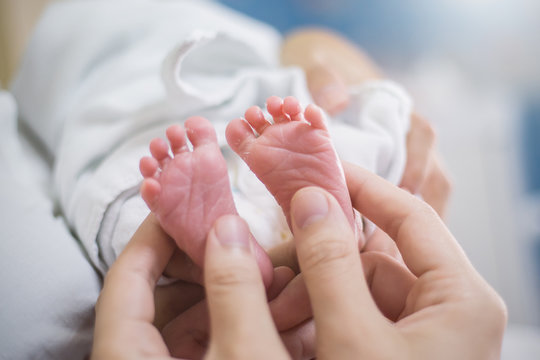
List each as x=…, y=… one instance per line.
x=294, y=152
x=189, y=191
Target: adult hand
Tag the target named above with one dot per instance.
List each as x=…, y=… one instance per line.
x=125, y=308
x=181, y=312
x=424, y=173
x=449, y=311
x=187, y=334
x=125, y=317
x=444, y=309
x=236, y=303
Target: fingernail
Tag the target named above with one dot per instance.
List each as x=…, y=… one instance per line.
x=232, y=231
x=308, y=207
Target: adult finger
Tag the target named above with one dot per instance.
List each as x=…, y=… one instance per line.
x=173, y=299
x=300, y=341
x=328, y=255
x=388, y=279
x=125, y=307
x=379, y=241
x=292, y=306
x=236, y=296
x=420, y=141
x=282, y=276
x=186, y=335
x=389, y=282
x=284, y=254
x=181, y=267
x=423, y=240
x=436, y=188
x=328, y=89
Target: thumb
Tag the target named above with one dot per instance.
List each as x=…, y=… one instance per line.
x=236, y=296
x=343, y=308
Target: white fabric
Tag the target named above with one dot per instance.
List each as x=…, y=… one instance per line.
x=98, y=95
x=48, y=286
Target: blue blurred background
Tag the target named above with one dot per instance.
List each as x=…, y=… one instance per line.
x=473, y=68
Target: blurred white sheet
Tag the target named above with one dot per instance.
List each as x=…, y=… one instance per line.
x=48, y=286
x=521, y=342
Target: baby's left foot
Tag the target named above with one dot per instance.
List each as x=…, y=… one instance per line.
x=190, y=190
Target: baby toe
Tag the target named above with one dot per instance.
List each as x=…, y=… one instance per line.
x=150, y=190
x=200, y=131
x=177, y=139
x=291, y=107
x=274, y=105
x=159, y=150
x=148, y=166
x=239, y=136
x=255, y=117
x=315, y=117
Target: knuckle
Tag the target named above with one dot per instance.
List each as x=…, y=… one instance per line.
x=233, y=275
x=423, y=210
x=419, y=213
x=326, y=251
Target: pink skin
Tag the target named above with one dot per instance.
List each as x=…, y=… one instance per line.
x=190, y=190
x=294, y=152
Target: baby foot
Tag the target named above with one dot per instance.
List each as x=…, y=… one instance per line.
x=190, y=190
x=294, y=152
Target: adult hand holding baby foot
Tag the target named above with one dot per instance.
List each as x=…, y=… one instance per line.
x=449, y=312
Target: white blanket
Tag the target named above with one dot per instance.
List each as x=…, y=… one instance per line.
x=101, y=79
x=48, y=286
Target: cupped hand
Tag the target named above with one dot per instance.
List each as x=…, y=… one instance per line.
x=125, y=308
x=125, y=312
